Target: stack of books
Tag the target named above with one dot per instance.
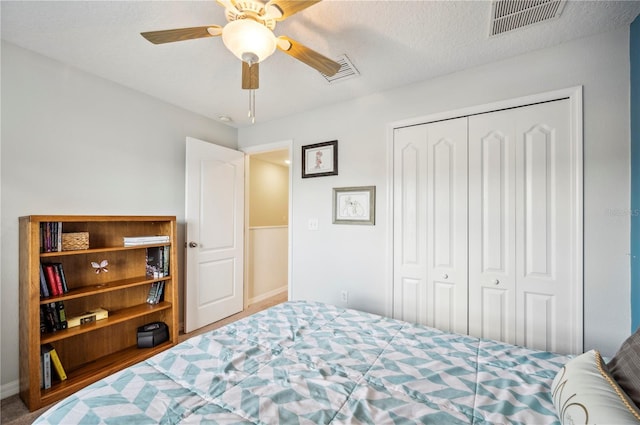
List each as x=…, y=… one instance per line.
x=144, y=240
x=52, y=284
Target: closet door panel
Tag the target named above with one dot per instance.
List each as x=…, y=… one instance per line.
x=544, y=207
x=409, y=228
x=447, y=224
x=492, y=276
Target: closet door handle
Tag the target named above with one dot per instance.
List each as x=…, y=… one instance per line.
x=445, y=276
x=496, y=282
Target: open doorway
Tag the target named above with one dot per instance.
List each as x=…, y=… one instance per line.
x=267, y=231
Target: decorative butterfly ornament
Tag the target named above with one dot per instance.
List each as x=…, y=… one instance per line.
x=101, y=267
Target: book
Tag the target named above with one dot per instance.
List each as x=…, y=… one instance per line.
x=87, y=317
x=63, y=279
x=62, y=316
x=155, y=268
x=156, y=292
x=51, y=236
x=165, y=260
x=56, y=363
x=160, y=293
x=45, y=367
x=152, y=292
x=57, y=279
x=49, y=273
x=48, y=318
x=54, y=313
x=144, y=240
x=44, y=289
x=43, y=320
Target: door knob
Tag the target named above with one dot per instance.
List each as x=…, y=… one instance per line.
x=496, y=282
x=193, y=245
x=445, y=276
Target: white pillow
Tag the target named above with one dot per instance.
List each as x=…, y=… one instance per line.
x=584, y=393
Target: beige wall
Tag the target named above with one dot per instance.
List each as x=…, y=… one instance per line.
x=269, y=201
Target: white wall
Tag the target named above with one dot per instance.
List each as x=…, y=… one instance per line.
x=357, y=258
x=73, y=143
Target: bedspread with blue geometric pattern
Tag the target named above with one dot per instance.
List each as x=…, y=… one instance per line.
x=312, y=363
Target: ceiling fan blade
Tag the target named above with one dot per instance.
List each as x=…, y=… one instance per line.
x=181, y=34
x=310, y=57
x=250, y=76
x=282, y=9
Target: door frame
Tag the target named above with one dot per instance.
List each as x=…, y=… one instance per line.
x=574, y=95
x=248, y=151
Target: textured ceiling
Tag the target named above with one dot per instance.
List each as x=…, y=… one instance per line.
x=391, y=43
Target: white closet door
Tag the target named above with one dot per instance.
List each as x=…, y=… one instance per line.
x=409, y=224
x=521, y=282
x=546, y=298
x=492, y=275
x=430, y=192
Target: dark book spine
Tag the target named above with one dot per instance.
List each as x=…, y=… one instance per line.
x=49, y=319
x=44, y=289
x=54, y=312
x=57, y=278
x=160, y=296
x=43, y=320
x=65, y=287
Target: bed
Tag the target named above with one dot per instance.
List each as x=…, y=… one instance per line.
x=313, y=363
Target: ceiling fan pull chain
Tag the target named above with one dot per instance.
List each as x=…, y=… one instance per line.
x=252, y=106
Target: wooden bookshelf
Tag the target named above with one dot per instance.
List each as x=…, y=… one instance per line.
x=94, y=350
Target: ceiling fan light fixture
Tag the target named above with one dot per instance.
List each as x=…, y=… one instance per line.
x=246, y=38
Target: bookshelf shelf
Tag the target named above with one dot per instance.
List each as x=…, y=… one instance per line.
x=93, y=350
x=49, y=255
x=115, y=317
x=103, y=288
x=98, y=369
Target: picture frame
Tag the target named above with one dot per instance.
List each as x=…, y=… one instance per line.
x=320, y=159
x=354, y=205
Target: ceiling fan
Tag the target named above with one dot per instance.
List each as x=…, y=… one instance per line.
x=249, y=36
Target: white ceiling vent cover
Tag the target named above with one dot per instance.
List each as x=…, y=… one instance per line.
x=509, y=15
x=346, y=71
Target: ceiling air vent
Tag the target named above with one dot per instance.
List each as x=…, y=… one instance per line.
x=509, y=15
x=346, y=71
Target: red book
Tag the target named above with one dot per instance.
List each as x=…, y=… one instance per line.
x=51, y=274
x=58, y=279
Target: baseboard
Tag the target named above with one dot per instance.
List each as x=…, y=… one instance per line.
x=9, y=389
x=266, y=295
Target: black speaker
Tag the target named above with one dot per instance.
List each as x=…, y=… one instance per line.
x=152, y=334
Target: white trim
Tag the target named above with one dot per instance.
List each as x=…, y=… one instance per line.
x=249, y=150
x=574, y=94
x=269, y=294
x=9, y=389
x=267, y=227
x=491, y=107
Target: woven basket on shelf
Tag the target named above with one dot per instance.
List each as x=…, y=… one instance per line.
x=75, y=241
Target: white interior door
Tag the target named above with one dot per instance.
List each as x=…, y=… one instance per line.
x=215, y=233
